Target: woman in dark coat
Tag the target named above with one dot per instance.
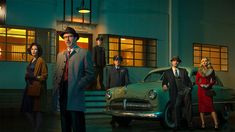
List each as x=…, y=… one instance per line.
x=205, y=79
x=36, y=72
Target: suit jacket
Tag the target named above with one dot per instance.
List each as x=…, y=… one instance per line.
x=117, y=77
x=98, y=56
x=169, y=80
x=80, y=74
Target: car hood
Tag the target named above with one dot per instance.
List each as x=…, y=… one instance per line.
x=137, y=90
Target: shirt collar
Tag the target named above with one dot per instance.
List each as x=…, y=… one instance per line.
x=175, y=68
x=117, y=67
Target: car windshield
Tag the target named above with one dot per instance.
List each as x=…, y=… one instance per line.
x=154, y=76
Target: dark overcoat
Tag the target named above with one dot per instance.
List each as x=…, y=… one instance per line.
x=117, y=77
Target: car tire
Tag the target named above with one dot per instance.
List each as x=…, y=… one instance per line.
x=122, y=121
x=167, y=120
x=223, y=115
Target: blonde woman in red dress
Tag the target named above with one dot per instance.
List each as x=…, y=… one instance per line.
x=205, y=79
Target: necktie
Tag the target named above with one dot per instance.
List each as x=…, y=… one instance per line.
x=66, y=67
x=176, y=73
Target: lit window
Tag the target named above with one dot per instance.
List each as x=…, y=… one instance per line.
x=135, y=51
x=218, y=55
x=15, y=41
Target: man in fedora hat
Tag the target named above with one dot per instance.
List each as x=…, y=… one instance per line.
x=74, y=71
x=98, y=56
x=177, y=81
x=117, y=76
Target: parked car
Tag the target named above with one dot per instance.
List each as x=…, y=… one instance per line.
x=147, y=100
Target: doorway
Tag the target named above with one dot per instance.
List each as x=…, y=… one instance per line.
x=84, y=41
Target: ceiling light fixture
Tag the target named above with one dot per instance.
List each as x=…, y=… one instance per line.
x=83, y=9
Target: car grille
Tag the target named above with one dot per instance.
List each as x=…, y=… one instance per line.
x=130, y=105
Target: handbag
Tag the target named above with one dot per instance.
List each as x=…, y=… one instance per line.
x=34, y=88
x=210, y=93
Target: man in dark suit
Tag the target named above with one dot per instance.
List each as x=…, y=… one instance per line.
x=74, y=71
x=177, y=81
x=117, y=76
x=98, y=56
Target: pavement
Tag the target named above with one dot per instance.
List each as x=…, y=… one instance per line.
x=15, y=121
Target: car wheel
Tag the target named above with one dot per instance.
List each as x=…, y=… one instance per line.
x=122, y=121
x=168, y=120
x=223, y=115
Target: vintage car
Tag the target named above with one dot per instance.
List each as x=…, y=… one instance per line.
x=147, y=100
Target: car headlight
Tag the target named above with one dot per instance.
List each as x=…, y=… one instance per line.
x=152, y=94
x=108, y=94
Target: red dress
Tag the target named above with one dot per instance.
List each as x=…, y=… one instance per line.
x=205, y=103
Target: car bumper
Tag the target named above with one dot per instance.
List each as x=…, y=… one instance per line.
x=136, y=114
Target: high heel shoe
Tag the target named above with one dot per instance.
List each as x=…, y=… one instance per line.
x=203, y=126
x=216, y=127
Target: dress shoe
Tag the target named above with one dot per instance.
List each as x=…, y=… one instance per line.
x=175, y=129
x=113, y=124
x=190, y=126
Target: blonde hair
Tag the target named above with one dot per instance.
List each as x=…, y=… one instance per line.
x=209, y=66
x=205, y=71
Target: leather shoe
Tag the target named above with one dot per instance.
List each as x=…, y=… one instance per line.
x=190, y=127
x=113, y=124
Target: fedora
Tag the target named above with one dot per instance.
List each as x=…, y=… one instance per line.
x=176, y=58
x=69, y=30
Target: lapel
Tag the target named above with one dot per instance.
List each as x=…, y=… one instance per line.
x=172, y=76
x=172, y=73
x=181, y=74
x=76, y=49
x=65, y=55
x=36, y=68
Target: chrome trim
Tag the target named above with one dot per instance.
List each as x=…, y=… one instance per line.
x=136, y=114
x=124, y=104
x=219, y=102
x=130, y=105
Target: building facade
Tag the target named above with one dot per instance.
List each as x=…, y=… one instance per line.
x=146, y=33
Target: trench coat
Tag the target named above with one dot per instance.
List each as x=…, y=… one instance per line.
x=80, y=74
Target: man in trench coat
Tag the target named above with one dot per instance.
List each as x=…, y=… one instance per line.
x=74, y=71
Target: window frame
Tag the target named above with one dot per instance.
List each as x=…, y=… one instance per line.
x=201, y=45
x=49, y=54
x=145, y=60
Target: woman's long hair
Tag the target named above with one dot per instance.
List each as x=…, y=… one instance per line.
x=205, y=71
